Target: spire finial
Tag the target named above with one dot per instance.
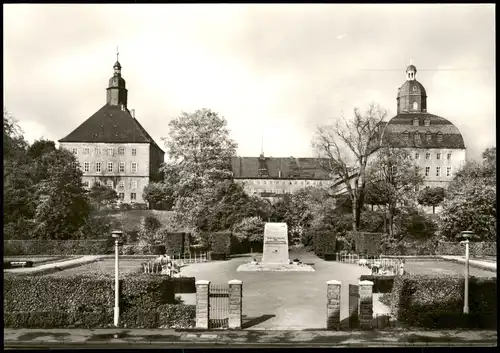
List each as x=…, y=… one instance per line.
x=262, y=145
x=411, y=61
x=117, y=53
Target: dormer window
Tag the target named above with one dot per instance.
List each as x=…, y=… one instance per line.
x=427, y=122
x=405, y=136
x=415, y=106
x=414, y=88
x=439, y=137
x=415, y=121
x=417, y=137
x=428, y=136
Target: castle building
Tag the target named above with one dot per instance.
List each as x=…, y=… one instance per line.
x=434, y=142
x=113, y=148
x=273, y=177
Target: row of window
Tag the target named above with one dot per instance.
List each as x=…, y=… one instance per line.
x=110, y=167
x=438, y=171
x=109, y=183
x=290, y=182
x=427, y=121
x=428, y=136
x=271, y=191
x=110, y=151
x=428, y=155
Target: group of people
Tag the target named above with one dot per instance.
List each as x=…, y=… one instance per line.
x=168, y=267
x=380, y=269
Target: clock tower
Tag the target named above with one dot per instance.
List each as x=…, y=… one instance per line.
x=116, y=91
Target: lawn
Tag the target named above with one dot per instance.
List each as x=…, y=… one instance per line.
x=104, y=266
x=444, y=268
x=39, y=260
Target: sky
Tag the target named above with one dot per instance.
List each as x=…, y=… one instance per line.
x=274, y=71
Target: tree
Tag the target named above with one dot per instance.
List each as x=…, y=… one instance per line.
x=431, y=197
x=200, y=151
x=394, y=178
x=470, y=202
x=251, y=229
x=348, y=147
x=102, y=196
x=158, y=194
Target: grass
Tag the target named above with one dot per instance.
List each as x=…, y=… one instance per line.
x=105, y=266
x=444, y=268
x=39, y=260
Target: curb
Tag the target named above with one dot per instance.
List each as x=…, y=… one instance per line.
x=54, y=269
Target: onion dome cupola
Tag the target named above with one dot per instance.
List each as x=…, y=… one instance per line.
x=412, y=97
x=117, y=91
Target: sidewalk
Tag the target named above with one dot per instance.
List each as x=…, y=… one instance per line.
x=169, y=337
x=55, y=266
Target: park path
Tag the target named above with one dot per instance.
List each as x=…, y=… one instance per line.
x=54, y=266
x=282, y=300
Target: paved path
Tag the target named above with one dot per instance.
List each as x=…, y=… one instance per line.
x=55, y=266
x=122, y=338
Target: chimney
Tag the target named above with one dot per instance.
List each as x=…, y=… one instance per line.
x=132, y=112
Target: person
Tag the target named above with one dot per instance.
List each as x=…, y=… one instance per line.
x=375, y=268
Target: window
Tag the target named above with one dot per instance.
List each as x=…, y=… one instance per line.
x=109, y=183
x=134, y=151
x=415, y=106
x=417, y=155
x=427, y=155
x=417, y=137
x=438, y=171
x=98, y=167
x=111, y=151
x=428, y=137
x=110, y=167
x=134, y=167
x=122, y=167
x=414, y=88
x=427, y=171
x=439, y=137
x=448, y=156
x=448, y=171
x=132, y=196
x=86, y=183
x=415, y=120
x=121, y=151
x=121, y=184
x=427, y=122
x=134, y=184
x=75, y=150
x=438, y=155
x=405, y=136
x=86, y=151
x=86, y=166
x=98, y=152
x=121, y=195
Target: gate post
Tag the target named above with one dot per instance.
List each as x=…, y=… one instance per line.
x=202, y=304
x=333, y=305
x=365, y=304
x=235, y=303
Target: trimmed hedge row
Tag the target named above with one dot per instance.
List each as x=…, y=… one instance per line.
x=57, y=247
x=325, y=243
x=433, y=301
x=475, y=249
x=164, y=316
x=220, y=242
x=367, y=243
x=174, y=243
x=381, y=284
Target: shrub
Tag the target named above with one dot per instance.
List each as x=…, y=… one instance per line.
x=58, y=247
x=381, y=284
x=220, y=242
x=437, y=302
x=475, y=248
x=174, y=242
x=239, y=246
x=367, y=243
x=324, y=243
x=158, y=249
x=217, y=256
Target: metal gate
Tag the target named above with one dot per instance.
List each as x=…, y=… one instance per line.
x=353, y=305
x=218, y=306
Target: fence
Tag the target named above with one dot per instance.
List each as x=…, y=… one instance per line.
x=385, y=265
x=191, y=258
x=218, y=306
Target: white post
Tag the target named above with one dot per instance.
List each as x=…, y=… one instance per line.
x=189, y=256
x=195, y=257
x=466, y=290
x=116, y=235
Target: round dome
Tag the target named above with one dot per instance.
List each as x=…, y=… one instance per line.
x=412, y=88
x=411, y=68
x=117, y=65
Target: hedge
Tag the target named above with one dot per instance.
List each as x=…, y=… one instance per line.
x=216, y=256
x=164, y=316
x=58, y=247
x=475, y=248
x=325, y=243
x=367, y=243
x=220, y=242
x=433, y=301
x=174, y=243
x=381, y=284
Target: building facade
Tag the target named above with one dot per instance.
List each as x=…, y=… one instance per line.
x=113, y=148
x=435, y=144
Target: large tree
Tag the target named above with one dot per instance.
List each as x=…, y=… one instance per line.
x=431, y=197
x=200, y=150
x=347, y=146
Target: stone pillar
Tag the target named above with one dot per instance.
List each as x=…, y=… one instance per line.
x=235, y=303
x=365, y=304
x=333, y=305
x=202, y=304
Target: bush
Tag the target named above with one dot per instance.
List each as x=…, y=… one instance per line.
x=437, y=302
x=58, y=247
x=372, y=221
x=159, y=249
x=220, y=242
x=239, y=246
x=330, y=257
x=367, y=243
x=217, y=256
x=475, y=248
x=174, y=242
x=381, y=284
x=325, y=243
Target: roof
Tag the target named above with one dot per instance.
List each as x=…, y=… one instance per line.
x=407, y=89
x=403, y=122
x=110, y=124
x=411, y=67
x=290, y=167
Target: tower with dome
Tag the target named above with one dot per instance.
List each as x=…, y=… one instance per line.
x=436, y=145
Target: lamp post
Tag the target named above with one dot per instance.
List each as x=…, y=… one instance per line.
x=117, y=235
x=467, y=235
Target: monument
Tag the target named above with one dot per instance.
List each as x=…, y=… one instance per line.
x=275, y=253
x=275, y=244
